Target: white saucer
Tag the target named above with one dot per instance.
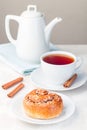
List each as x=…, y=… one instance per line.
x=18, y=111
x=38, y=80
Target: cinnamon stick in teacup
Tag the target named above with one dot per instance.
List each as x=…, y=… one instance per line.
x=16, y=90
x=69, y=82
x=11, y=83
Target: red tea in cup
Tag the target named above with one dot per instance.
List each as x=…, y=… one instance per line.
x=58, y=59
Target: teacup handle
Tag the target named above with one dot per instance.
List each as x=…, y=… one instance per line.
x=78, y=63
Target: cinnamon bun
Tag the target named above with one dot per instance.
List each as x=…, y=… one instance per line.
x=42, y=104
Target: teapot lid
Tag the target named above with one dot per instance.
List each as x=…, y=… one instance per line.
x=31, y=12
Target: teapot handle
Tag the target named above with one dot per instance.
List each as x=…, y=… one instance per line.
x=7, y=27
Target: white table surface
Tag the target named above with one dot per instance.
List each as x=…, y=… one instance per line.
x=77, y=121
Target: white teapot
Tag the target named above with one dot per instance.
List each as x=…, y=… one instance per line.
x=33, y=36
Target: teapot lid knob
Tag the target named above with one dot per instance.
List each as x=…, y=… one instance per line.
x=32, y=8
x=31, y=12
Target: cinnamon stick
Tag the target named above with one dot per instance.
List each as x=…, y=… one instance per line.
x=16, y=90
x=11, y=83
x=69, y=82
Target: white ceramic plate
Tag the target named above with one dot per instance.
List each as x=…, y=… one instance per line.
x=38, y=80
x=18, y=111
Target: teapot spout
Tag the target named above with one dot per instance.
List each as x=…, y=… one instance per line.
x=50, y=26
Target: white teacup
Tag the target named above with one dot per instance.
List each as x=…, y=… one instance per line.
x=65, y=66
